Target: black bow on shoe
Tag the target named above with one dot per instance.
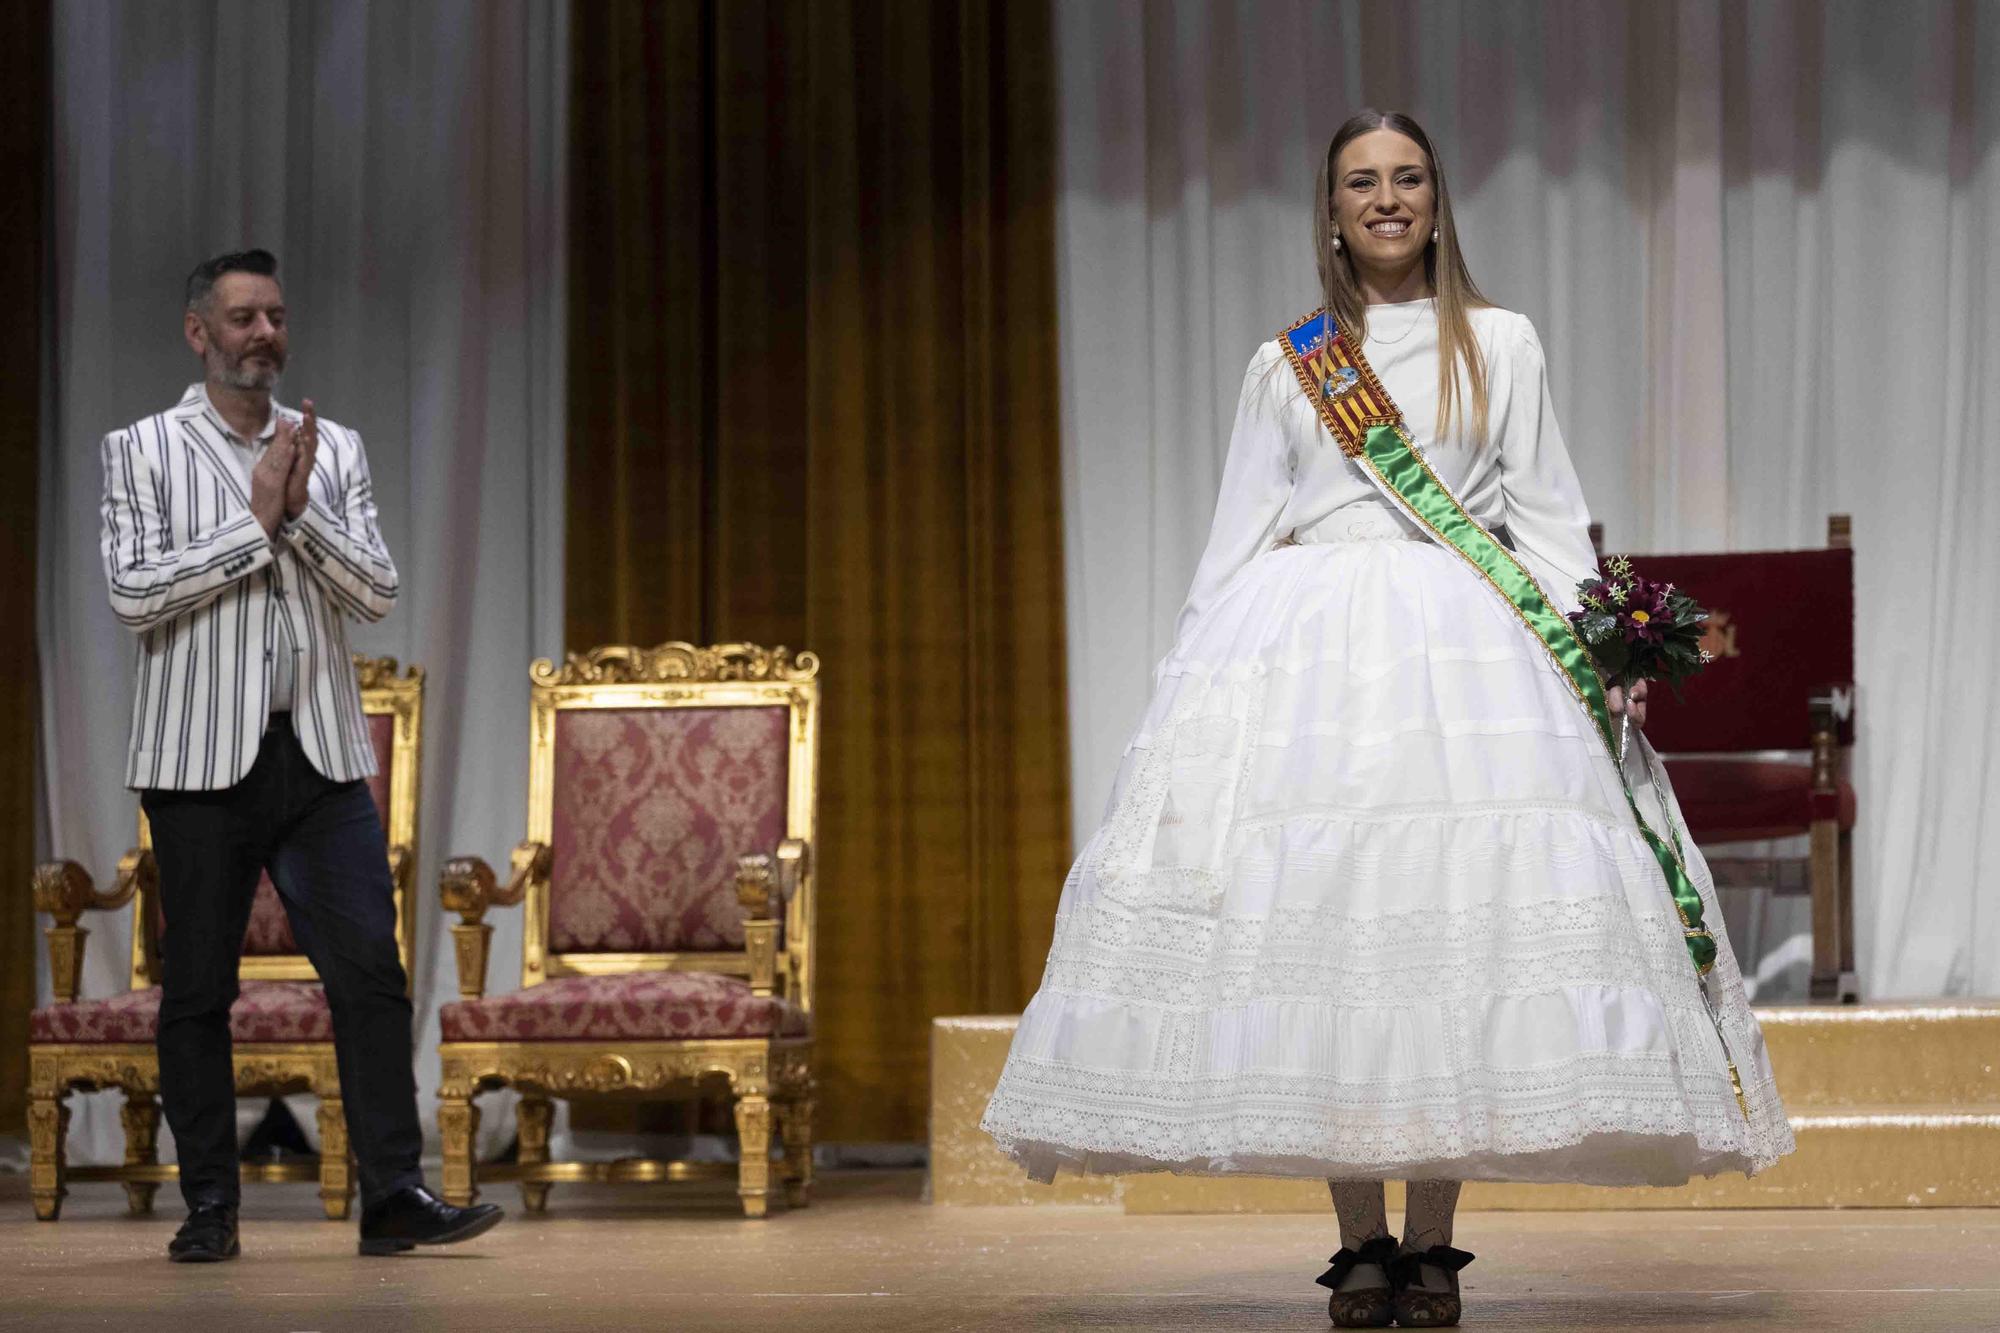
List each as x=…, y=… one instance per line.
x=1381, y=1250
x=1406, y=1269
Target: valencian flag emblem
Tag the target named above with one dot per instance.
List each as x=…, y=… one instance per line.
x=1348, y=396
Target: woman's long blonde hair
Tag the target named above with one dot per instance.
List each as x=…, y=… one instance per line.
x=1444, y=266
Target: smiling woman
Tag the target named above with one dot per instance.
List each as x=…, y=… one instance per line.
x=1375, y=898
x=1381, y=203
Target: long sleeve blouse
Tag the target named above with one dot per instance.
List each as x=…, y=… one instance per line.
x=1286, y=478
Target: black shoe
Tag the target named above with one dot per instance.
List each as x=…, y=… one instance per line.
x=207, y=1237
x=415, y=1216
x=1428, y=1299
x=1367, y=1306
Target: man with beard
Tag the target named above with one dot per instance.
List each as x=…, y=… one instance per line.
x=238, y=535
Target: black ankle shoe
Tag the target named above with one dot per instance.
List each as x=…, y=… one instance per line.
x=207, y=1237
x=1419, y=1304
x=1362, y=1307
x=415, y=1216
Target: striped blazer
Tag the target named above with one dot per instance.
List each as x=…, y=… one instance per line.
x=193, y=573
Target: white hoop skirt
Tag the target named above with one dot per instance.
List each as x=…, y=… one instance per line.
x=1369, y=903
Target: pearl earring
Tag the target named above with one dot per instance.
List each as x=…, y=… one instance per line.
x=1434, y=235
x=1336, y=242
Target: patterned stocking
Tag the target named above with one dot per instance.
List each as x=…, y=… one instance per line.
x=1427, y=1219
x=1363, y=1217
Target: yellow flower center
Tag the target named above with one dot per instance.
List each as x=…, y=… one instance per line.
x=1641, y=617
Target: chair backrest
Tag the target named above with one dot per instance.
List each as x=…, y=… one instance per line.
x=392, y=703
x=651, y=770
x=1781, y=630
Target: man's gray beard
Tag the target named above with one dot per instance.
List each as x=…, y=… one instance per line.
x=239, y=375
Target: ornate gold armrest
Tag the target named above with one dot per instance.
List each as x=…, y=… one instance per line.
x=757, y=890
x=764, y=885
x=468, y=887
x=64, y=890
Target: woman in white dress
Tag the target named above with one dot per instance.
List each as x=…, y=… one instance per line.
x=1371, y=900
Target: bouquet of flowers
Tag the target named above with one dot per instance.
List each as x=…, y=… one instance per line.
x=1639, y=629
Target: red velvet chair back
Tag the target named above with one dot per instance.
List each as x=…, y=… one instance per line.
x=1781, y=630
x=651, y=807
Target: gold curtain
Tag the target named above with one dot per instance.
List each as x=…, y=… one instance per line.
x=813, y=401
x=25, y=93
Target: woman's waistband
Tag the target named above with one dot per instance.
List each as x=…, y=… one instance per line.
x=1378, y=527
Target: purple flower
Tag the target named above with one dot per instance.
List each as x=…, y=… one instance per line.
x=1644, y=615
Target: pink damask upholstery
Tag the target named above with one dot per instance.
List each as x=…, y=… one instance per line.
x=652, y=808
x=270, y=929
x=634, y=1006
x=265, y=1011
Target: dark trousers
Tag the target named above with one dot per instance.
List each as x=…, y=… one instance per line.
x=323, y=844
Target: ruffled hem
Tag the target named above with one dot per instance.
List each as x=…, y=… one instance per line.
x=1615, y=1158
x=1369, y=903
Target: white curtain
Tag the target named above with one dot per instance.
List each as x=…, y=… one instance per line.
x=405, y=162
x=1756, y=240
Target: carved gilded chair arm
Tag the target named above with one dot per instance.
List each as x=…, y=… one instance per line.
x=757, y=891
x=65, y=891
x=468, y=887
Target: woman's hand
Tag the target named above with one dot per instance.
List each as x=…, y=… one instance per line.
x=1615, y=699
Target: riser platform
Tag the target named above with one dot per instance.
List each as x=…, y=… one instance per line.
x=1894, y=1105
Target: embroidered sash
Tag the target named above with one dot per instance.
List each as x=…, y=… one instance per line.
x=1354, y=406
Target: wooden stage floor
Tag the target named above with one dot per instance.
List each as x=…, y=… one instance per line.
x=871, y=1255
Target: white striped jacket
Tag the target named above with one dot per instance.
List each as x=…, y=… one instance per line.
x=192, y=571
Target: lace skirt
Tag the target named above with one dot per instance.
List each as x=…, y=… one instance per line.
x=1369, y=903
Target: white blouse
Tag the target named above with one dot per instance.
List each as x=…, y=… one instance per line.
x=1286, y=477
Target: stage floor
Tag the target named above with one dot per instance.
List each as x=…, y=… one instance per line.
x=872, y=1255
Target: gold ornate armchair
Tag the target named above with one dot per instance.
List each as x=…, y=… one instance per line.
x=667, y=945
x=282, y=1027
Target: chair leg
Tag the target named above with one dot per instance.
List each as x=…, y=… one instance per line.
x=753, y=1172
x=1827, y=926
x=458, y=1124
x=48, y=1135
x=141, y=1118
x=336, y=1159
x=1847, y=968
x=531, y=1121
x=796, y=1116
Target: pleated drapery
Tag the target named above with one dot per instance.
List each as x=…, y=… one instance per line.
x=813, y=402
x=405, y=163
x=1757, y=241
x=24, y=158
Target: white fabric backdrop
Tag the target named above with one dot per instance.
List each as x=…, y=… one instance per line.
x=405, y=162
x=1755, y=240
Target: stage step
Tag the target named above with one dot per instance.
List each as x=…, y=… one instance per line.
x=1894, y=1105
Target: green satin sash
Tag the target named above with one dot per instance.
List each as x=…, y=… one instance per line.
x=1358, y=412
x=1400, y=470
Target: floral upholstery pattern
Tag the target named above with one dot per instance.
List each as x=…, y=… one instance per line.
x=634, y=1006
x=270, y=929
x=265, y=1011
x=652, y=808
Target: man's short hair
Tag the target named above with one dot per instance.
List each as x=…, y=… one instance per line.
x=202, y=281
